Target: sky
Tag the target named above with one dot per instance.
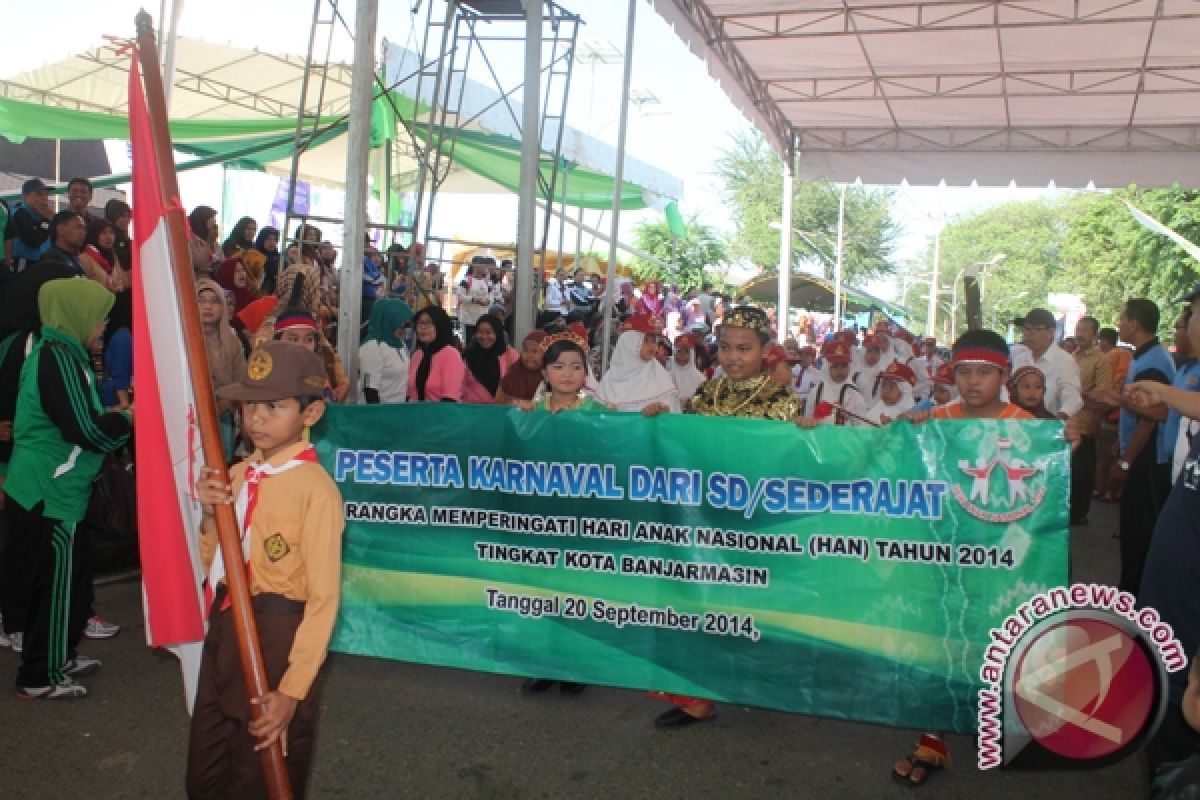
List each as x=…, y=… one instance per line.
x=682, y=133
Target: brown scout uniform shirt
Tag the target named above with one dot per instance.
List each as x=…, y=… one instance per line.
x=295, y=551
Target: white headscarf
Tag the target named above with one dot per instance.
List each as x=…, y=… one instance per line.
x=687, y=378
x=826, y=389
x=631, y=384
x=905, y=403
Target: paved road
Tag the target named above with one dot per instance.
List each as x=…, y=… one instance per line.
x=395, y=730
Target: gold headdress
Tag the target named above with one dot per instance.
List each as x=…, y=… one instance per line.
x=749, y=317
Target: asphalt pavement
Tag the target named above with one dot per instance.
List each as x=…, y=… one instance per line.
x=395, y=730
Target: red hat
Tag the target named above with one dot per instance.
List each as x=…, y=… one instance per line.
x=643, y=323
x=807, y=350
x=579, y=331
x=900, y=372
x=849, y=336
x=872, y=341
x=904, y=336
x=944, y=375
x=883, y=326
x=686, y=340
x=836, y=352
x=777, y=355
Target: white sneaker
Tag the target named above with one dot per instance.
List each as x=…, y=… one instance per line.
x=67, y=690
x=16, y=641
x=100, y=628
x=80, y=665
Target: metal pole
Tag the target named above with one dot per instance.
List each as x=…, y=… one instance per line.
x=618, y=180
x=837, y=267
x=254, y=673
x=362, y=89
x=785, y=257
x=57, y=172
x=530, y=158
x=169, y=52
x=931, y=321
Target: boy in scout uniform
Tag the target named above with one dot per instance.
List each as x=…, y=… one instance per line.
x=290, y=519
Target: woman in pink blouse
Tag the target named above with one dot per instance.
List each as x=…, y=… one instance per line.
x=436, y=370
x=487, y=359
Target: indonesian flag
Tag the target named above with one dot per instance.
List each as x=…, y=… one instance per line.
x=168, y=458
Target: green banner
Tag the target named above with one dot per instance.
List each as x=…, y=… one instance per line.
x=851, y=573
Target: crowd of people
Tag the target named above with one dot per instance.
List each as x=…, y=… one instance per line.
x=67, y=400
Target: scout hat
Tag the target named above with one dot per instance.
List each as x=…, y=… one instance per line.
x=775, y=356
x=899, y=372
x=836, y=352
x=276, y=371
x=685, y=340
x=944, y=375
x=871, y=342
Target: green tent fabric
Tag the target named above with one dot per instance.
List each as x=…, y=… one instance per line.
x=675, y=223
x=252, y=144
x=19, y=120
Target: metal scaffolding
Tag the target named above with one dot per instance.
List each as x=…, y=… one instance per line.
x=452, y=37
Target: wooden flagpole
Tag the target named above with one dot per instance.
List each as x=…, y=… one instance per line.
x=278, y=785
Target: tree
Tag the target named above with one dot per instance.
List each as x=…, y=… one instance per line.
x=1029, y=235
x=1110, y=257
x=1087, y=244
x=752, y=180
x=696, y=255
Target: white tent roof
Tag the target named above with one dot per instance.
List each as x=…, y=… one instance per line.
x=1074, y=91
x=220, y=81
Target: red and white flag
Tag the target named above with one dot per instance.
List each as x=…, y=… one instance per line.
x=167, y=441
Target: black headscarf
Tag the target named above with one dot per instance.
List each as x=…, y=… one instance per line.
x=444, y=338
x=113, y=210
x=484, y=363
x=237, y=237
x=93, y=238
x=271, y=268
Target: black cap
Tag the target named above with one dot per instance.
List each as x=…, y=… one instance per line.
x=1190, y=296
x=33, y=185
x=1037, y=317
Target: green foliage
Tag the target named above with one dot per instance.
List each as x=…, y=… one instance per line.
x=1086, y=243
x=752, y=177
x=697, y=255
x=1111, y=258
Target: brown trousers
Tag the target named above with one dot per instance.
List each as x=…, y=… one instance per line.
x=221, y=758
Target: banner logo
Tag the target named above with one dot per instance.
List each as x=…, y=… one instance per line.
x=1016, y=499
x=1076, y=674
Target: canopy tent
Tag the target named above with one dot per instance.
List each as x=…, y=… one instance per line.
x=267, y=145
x=238, y=107
x=814, y=293
x=1069, y=91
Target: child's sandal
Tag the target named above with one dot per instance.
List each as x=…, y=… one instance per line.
x=928, y=757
